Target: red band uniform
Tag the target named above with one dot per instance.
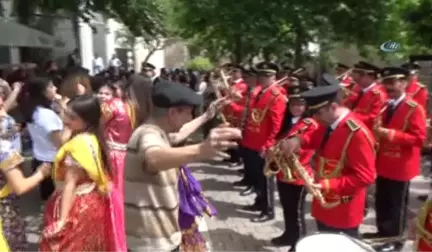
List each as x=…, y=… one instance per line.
x=344, y=165
x=291, y=188
x=400, y=139
x=371, y=97
x=262, y=125
x=415, y=89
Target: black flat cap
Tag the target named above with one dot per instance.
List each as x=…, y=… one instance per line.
x=341, y=65
x=267, y=68
x=321, y=96
x=167, y=94
x=366, y=67
x=394, y=73
x=411, y=66
x=147, y=66
x=295, y=91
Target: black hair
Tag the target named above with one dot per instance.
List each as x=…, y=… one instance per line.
x=88, y=108
x=33, y=95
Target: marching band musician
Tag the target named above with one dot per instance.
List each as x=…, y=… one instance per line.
x=400, y=138
x=236, y=89
x=345, y=161
x=346, y=79
x=370, y=99
x=284, y=73
x=233, y=110
x=240, y=110
x=291, y=190
x=267, y=107
x=415, y=89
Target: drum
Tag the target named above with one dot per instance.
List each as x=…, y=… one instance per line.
x=326, y=242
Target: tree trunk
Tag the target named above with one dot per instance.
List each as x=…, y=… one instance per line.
x=238, y=47
x=298, y=50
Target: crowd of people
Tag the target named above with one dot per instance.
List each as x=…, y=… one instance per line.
x=110, y=151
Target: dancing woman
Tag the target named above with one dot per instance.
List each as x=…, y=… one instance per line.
x=77, y=216
x=118, y=124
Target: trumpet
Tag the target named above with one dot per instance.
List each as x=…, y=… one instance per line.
x=344, y=74
x=290, y=166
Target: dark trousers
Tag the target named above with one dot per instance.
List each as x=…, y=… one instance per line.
x=46, y=187
x=234, y=155
x=264, y=186
x=246, y=155
x=391, y=204
x=292, y=198
x=353, y=232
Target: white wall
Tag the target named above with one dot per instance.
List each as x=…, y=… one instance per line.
x=157, y=58
x=140, y=50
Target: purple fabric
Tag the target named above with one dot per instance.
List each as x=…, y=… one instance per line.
x=192, y=202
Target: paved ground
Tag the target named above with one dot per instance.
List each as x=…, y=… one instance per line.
x=231, y=230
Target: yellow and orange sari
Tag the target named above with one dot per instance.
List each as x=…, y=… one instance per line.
x=88, y=226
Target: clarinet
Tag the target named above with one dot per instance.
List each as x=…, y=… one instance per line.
x=245, y=113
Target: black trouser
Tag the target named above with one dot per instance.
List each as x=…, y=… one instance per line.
x=353, y=232
x=234, y=155
x=46, y=187
x=264, y=186
x=292, y=198
x=248, y=156
x=391, y=205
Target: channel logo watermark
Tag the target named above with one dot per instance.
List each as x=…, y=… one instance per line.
x=390, y=46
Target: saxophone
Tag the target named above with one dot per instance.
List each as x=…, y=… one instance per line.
x=276, y=162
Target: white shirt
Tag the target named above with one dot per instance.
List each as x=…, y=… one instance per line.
x=238, y=80
x=202, y=87
x=369, y=88
x=339, y=120
x=294, y=120
x=44, y=122
x=116, y=62
x=98, y=65
x=395, y=103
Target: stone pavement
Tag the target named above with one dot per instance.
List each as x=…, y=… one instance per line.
x=231, y=230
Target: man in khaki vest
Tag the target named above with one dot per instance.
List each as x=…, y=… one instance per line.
x=151, y=169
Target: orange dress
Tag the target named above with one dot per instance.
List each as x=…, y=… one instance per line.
x=88, y=226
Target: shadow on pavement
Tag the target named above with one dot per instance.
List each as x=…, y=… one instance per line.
x=229, y=240
x=212, y=184
x=229, y=210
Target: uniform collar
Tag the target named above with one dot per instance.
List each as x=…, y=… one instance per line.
x=396, y=102
x=369, y=88
x=339, y=120
x=238, y=80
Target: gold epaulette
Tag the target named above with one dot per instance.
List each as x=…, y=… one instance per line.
x=307, y=121
x=421, y=84
x=411, y=103
x=375, y=91
x=352, y=125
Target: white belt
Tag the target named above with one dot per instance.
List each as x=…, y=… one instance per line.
x=117, y=146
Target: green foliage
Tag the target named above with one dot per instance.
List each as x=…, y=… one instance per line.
x=243, y=29
x=200, y=64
